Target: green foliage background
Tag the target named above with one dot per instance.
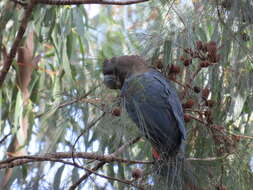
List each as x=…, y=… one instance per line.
x=74, y=41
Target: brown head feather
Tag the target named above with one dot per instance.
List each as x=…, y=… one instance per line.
x=122, y=67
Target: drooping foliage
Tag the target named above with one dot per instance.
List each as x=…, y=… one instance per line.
x=204, y=46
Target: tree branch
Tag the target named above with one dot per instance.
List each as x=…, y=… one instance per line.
x=4, y=138
x=128, y=182
x=101, y=164
x=7, y=63
x=78, y=2
x=56, y=157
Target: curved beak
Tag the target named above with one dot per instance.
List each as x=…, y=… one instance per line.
x=111, y=82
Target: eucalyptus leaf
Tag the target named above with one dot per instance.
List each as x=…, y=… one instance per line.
x=57, y=178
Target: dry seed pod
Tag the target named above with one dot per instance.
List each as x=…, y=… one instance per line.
x=188, y=104
x=209, y=120
x=204, y=47
x=218, y=127
x=116, y=111
x=137, y=173
x=236, y=138
x=204, y=64
x=182, y=58
x=212, y=43
x=207, y=113
x=196, y=89
x=199, y=45
x=187, y=50
x=174, y=69
x=187, y=118
x=217, y=58
x=187, y=62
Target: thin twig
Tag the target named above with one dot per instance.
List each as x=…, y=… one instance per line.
x=4, y=138
x=73, y=101
x=20, y=160
x=185, y=86
x=78, y=2
x=78, y=99
x=195, y=74
x=128, y=182
x=197, y=119
x=20, y=3
x=209, y=159
x=82, y=133
x=101, y=164
x=16, y=43
x=241, y=136
x=57, y=157
x=37, y=158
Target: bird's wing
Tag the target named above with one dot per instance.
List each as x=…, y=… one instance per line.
x=153, y=93
x=173, y=101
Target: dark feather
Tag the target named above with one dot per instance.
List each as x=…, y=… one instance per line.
x=154, y=106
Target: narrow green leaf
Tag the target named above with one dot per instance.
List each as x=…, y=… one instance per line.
x=75, y=175
x=69, y=45
x=78, y=21
x=202, y=34
x=167, y=52
x=24, y=171
x=34, y=89
x=57, y=178
x=66, y=66
x=1, y=106
x=57, y=90
x=49, y=16
x=81, y=48
x=18, y=112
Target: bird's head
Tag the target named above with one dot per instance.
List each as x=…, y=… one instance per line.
x=117, y=69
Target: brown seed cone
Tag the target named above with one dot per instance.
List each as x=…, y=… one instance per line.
x=209, y=120
x=236, y=138
x=212, y=43
x=204, y=64
x=212, y=51
x=204, y=47
x=196, y=89
x=217, y=58
x=116, y=111
x=187, y=50
x=174, y=69
x=199, y=45
x=187, y=62
x=208, y=113
x=187, y=118
x=137, y=173
x=182, y=58
x=188, y=104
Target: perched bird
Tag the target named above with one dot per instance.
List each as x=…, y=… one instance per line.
x=151, y=102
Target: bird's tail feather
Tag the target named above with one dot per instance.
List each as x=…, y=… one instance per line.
x=174, y=173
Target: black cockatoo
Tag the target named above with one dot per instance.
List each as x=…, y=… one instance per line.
x=151, y=102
